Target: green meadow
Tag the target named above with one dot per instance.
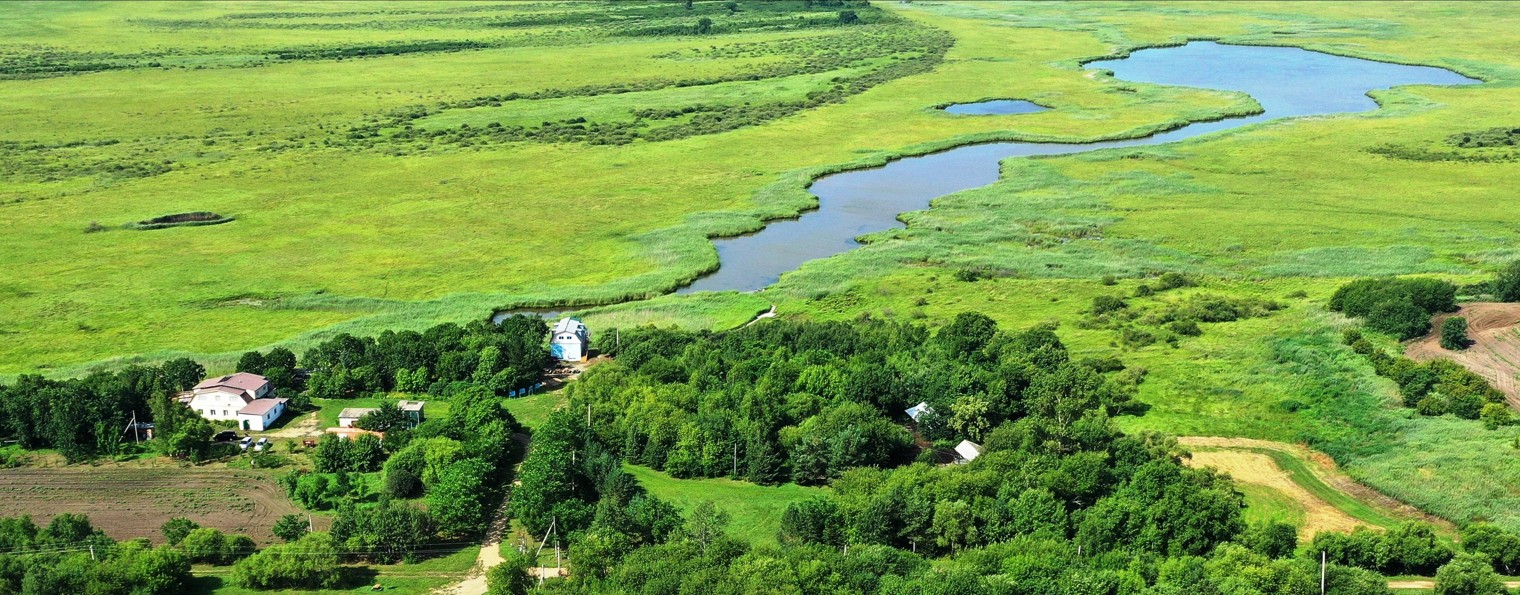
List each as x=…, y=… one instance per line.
x=346, y=220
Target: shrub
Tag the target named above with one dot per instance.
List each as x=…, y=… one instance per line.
x=1454, y=333
x=177, y=528
x=1496, y=415
x=1468, y=574
x=1186, y=328
x=308, y=563
x=1507, y=284
x=1105, y=304
x=291, y=527
x=210, y=546
x=1399, y=317
x=1271, y=539
x=1172, y=280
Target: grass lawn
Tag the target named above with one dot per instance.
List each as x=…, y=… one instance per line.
x=755, y=511
x=534, y=409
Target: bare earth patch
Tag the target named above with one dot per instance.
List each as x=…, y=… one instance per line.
x=1495, y=352
x=1259, y=469
x=129, y=502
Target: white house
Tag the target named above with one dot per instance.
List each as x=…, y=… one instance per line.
x=260, y=414
x=968, y=451
x=917, y=410
x=570, y=341
x=221, y=398
x=348, y=416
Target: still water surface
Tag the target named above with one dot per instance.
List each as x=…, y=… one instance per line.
x=1286, y=82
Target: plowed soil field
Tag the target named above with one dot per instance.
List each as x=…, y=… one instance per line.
x=128, y=502
x=1495, y=350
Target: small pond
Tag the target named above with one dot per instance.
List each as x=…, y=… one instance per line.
x=995, y=107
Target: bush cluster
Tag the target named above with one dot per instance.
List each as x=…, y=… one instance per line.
x=1437, y=387
x=1401, y=307
x=502, y=357
x=70, y=556
x=1410, y=548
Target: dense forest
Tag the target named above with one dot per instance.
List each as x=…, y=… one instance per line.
x=1061, y=501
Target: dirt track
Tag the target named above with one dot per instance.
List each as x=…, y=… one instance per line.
x=1495, y=352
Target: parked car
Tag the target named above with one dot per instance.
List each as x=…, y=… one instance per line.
x=224, y=436
x=246, y=442
x=262, y=445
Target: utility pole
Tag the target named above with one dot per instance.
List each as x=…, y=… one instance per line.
x=92, y=552
x=1322, y=572
x=310, y=528
x=736, y=459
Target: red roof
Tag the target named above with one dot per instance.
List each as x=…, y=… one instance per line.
x=260, y=406
x=240, y=381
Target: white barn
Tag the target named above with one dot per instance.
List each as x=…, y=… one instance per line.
x=221, y=398
x=570, y=340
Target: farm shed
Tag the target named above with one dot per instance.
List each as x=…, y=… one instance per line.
x=348, y=416
x=260, y=414
x=968, y=451
x=570, y=340
x=222, y=397
x=919, y=409
x=412, y=410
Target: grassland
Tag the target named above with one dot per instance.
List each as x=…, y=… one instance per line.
x=754, y=511
x=342, y=238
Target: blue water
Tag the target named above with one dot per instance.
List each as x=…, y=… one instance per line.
x=1286, y=82
x=996, y=107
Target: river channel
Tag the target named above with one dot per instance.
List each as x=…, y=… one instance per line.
x=1287, y=82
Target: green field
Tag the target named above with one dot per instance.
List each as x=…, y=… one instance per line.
x=754, y=511
x=345, y=221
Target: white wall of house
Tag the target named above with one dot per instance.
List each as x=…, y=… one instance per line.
x=259, y=423
x=218, y=404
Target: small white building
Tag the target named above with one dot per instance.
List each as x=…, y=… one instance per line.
x=570, y=340
x=260, y=414
x=348, y=416
x=221, y=398
x=968, y=451
x=413, y=412
x=917, y=410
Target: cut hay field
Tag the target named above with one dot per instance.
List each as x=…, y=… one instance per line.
x=134, y=501
x=1292, y=484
